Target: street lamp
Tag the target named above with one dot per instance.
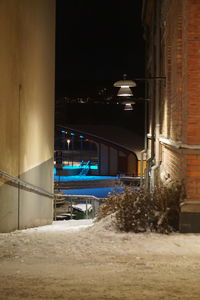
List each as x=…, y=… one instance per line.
x=125, y=91
x=68, y=142
x=124, y=87
x=81, y=152
x=128, y=104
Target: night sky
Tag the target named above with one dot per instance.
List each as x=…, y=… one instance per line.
x=96, y=43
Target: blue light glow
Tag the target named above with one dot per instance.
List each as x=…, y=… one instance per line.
x=54, y=171
x=72, y=133
x=81, y=136
x=94, y=167
x=97, y=192
x=63, y=131
x=71, y=167
x=77, y=178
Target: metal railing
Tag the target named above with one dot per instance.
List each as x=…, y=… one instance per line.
x=19, y=183
x=85, y=169
x=88, y=199
x=15, y=181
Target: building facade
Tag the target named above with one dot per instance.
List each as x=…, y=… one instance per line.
x=172, y=34
x=27, y=51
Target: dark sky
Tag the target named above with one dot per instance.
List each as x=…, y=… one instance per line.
x=97, y=41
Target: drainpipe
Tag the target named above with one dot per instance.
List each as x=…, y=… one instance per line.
x=155, y=168
x=147, y=172
x=141, y=166
x=145, y=147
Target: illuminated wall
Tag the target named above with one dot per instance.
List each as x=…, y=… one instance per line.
x=179, y=109
x=27, y=45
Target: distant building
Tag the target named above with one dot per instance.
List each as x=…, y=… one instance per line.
x=112, y=150
x=172, y=34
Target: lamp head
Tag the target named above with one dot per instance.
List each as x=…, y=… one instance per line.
x=125, y=83
x=125, y=91
x=128, y=106
x=125, y=86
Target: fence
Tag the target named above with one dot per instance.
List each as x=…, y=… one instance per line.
x=88, y=199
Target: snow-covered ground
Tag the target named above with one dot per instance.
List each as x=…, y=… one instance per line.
x=83, y=207
x=81, y=260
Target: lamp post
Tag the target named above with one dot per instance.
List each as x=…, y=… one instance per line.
x=72, y=136
x=81, y=144
x=68, y=143
x=125, y=91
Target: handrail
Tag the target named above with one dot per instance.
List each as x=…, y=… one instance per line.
x=74, y=198
x=13, y=180
x=26, y=185
x=78, y=196
x=85, y=169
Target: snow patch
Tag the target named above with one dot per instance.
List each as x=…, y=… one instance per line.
x=69, y=225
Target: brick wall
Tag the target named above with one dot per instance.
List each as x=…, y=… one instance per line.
x=193, y=176
x=181, y=106
x=172, y=51
x=192, y=97
x=193, y=70
x=173, y=163
x=179, y=98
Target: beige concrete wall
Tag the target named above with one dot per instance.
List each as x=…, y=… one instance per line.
x=27, y=54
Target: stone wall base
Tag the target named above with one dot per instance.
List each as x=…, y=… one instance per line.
x=190, y=222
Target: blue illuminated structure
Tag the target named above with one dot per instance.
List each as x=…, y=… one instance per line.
x=73, y=170
x=102, y=192
x=82, y=178
x=71, y=167
x=94, y=189
x=107, y=153
x=92, y=167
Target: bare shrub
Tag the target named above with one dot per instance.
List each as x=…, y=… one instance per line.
x=141, y=211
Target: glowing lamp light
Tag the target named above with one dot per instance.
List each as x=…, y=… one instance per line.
x=124, y=91
x=72, y=133
x=81, y=136
x=125, y=86
x=125, y=83
x=68, y=142
x=128, y=106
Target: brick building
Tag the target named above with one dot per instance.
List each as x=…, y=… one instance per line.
x=172, y=34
